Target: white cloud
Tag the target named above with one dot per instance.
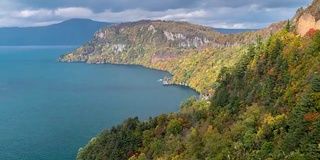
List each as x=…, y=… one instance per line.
x=182, y=14
x=33, y=13
x=73, y=12
x=42, y=17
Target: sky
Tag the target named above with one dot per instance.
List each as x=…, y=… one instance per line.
x=214, y=13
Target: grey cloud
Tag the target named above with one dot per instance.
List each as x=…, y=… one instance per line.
x=160, y=5
x=260, y=3
x=114, y=5
x=217, y=13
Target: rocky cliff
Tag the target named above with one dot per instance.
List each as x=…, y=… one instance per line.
x=308, y=18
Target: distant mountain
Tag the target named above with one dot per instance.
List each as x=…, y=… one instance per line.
x=70, y=32
x=233, y=31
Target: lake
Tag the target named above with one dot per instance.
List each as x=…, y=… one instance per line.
x=48, y=110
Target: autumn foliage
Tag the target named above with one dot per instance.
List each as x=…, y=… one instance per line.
x=311, y=32
x=266, y=105
x=311, y=116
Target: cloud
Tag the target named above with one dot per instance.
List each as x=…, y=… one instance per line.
x=182, y=14
x=73, y=12
x=160, y=5
x=33, y=13
x=216, y=13
x=114, y=6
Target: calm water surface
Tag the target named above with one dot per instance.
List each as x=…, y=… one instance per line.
x=48, y=110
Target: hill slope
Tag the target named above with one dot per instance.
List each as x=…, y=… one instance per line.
x=266, y=106
x=70, y=32
x=139, y=42
x=176, y=47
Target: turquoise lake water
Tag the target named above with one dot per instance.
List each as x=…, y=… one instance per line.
x=48, y=110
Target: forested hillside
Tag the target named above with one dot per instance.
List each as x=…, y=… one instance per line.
x=263, y=89
x=266, y=106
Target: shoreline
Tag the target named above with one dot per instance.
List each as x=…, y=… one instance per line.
x=138, y=65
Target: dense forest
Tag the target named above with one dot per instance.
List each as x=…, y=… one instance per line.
x=265, y=105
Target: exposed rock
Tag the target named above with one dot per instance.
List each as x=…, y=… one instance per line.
x=118, y=48
x=100, y=35
x=166, y=81
x=180, y=36
x=151, y=28
x=171, y=36
x=308, y=18
x=306, y=22
x=168, y=35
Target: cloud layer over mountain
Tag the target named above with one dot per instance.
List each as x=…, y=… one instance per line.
x=215, y=13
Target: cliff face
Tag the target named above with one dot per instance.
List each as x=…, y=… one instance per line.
x=146, y=42
x=305, y=22
x=308, y=18
x=142, y=41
